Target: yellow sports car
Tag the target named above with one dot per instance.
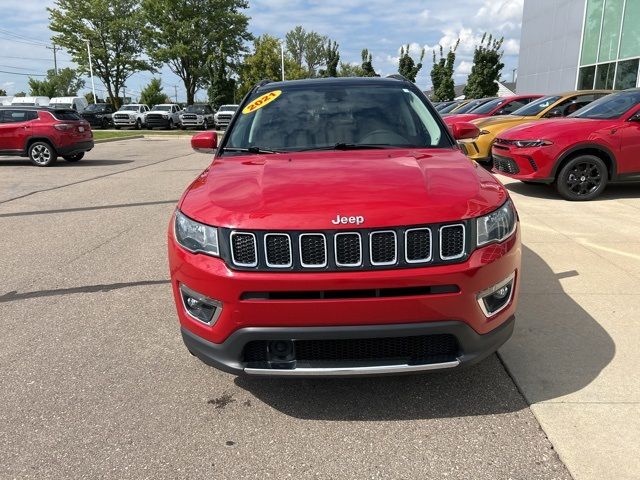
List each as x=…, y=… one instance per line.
x=552, y=106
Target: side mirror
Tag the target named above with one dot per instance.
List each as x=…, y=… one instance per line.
x=554, y=113
x=635, y=117
x=205, y=142
x=464, y=130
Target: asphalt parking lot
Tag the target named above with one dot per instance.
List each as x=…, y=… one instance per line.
x=96, y=382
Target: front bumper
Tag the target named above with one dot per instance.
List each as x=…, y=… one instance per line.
x=243, y=317
x=157, y=122
x=529, y=164
x=122, y=122
x=227, y=356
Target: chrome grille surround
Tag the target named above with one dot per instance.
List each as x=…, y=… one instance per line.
x=443, y=231
x=334, y=250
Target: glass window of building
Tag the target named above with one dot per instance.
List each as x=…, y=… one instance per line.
x=604, y=75
x=630, y=42
x=610, y=35
x=627, y=74
x=587, y=78
x=591, y=37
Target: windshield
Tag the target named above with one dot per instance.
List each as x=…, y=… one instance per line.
x=611, y=106
x=162, y=108
x=131, y=108
x=228, y=108
x=195, y=109
x=489, y=106
x=471, y=106
x=96, y=107
x=537, y=106
x=448, y=108
x=327, y=115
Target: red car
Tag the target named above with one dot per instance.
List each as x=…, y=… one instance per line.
x=580, y=154
x=340, y=231
x=497, y=106
x=43, y=134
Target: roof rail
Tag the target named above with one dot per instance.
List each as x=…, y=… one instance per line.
x=397, y=76
x=262, y=82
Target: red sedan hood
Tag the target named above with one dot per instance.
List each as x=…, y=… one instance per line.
x=309, y=190
x=570, y=128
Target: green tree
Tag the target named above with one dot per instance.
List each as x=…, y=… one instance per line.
x=222, y=87
x=265, y=64
x=89, y=98
x=20, y=94
x=367, y=65
x=113, y=28
x=332, y=59
x=486, y=69
x=3, y=93
x=350, y=70
x=407, y=66
x=314, y=52
x=152, y=93
x=189, y=34
x=295, y=41
x=65, y=83
x=442, y=74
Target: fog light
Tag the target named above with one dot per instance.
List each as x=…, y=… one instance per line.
x=496, y=298
x=201, y=308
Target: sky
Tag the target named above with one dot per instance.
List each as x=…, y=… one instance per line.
x=382, y=26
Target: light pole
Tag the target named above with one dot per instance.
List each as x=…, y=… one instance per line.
x=93, y=85
x=282, y=57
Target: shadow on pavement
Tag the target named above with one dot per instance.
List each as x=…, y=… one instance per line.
x=562, y=341
x=613, y=191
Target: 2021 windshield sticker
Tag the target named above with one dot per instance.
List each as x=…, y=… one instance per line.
x=260, y=102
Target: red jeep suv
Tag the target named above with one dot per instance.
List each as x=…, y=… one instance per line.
x=43, y=134
x=340, y=231
x=580, y=154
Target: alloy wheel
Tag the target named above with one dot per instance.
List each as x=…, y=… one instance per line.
x=41, y=155
x=584, y=178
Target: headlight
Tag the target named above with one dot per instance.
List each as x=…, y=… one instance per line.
x=498, y=225
x=196, y=237
x=165, y=115
x=531, y=143
x=99, y=115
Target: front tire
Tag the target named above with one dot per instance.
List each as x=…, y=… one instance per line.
x=138, y=124
x=205, y=125
x=583, y=178
x=42, y=154
x=74, y=158
x=170, y=126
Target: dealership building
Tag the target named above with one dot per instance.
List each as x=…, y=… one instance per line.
x=579, y=44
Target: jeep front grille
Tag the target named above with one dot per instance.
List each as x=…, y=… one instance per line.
x=364, y=249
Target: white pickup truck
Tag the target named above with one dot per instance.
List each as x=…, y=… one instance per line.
x=132, y=115
x=164, y=115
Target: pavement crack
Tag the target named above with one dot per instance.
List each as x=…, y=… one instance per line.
x=15, y=296
x=85, y=209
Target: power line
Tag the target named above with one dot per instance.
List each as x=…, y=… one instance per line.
x=22, y=37
x=37, y=59
x=25, y=74
x=15, y=68
x=32, y=44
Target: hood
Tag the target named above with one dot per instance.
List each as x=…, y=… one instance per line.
x=461, y=117
x=565, y=127
x=308, y=190
x=502, y=120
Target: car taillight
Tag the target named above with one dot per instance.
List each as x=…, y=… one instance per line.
x=63, y=127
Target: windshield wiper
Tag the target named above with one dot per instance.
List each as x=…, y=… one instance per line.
x=254, y=150
x=351, y=146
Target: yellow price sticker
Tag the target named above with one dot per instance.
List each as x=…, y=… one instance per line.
x=265, y=99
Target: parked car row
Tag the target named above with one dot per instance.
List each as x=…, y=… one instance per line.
x=576, y=141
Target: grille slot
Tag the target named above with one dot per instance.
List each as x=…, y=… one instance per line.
x=243, y=249
x=452, y=242
x=419, y=349
x=278, y=250
x=383, y=247
x=313, y=250
x=348, y=248
x=350, y=294
x=417, y=245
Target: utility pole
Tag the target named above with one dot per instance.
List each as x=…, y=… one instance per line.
x=93, y=85
x=124, y=94
x=513, y=75
x=175, y=89
x=55, y=58
x=282, y=57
